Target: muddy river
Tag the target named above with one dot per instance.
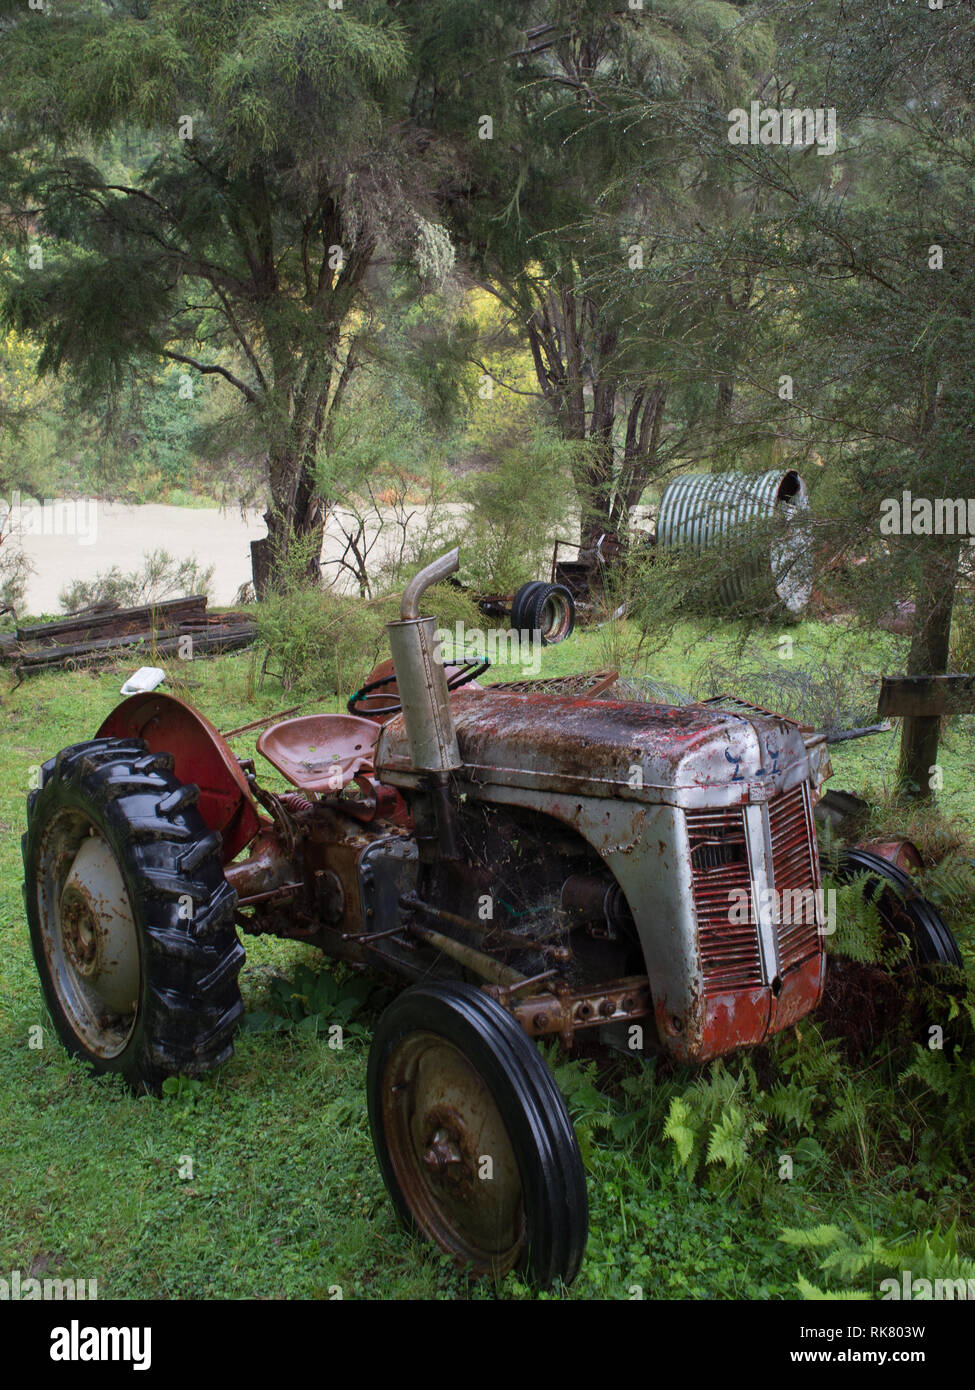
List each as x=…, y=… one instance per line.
x=65, y=541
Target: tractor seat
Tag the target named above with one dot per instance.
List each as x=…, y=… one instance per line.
x=320, y=752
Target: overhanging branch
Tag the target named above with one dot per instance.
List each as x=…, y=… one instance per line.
x=209, y=369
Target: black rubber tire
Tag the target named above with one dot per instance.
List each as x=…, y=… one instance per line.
x=931, y=939
x=189, y=1003
x=533, y=613
x=556, y=1210
x=518, y=603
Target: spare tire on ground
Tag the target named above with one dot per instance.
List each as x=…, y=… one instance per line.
x=518, y=603
x=548, y=609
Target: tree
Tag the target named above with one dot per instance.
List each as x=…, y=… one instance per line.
x=272, y=166
x=862, y=299
x=562, y=182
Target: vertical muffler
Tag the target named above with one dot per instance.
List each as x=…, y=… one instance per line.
x=427, y=717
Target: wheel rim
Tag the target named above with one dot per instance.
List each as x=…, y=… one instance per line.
x=89, y=934
x=442, y=1124
x=554, y=619
x=902, y=911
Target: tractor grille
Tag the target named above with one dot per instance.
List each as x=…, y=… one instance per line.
x=731, y=955
x=794, y=870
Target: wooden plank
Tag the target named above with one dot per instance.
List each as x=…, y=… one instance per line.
x=925, y=696
x=845, y=734
x=77, y=651
x=215, y=639
x=116, y=622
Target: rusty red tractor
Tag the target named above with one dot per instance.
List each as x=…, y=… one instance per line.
x=534, y=865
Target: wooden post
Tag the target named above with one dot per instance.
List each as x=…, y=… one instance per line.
x=930, y=642
x=922, y=702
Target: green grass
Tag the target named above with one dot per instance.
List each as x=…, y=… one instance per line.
x=285, y=1199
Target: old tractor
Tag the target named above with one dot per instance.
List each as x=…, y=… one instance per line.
x=534, y=866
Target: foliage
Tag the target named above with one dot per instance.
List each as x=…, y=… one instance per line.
x=448, y=603
x=317, y=642
x=578, y=189
x=162, y=576
x=849, y=306
x=963, y=631
x=950, y=882
x=592, y=1115
x=860, y=934
x=712, y=1123
x=14, y=568
x=387, y=489
x=237, y=246
x=184, y=1090
x=934, y=1257
x=312, y=1002
x=838, y=693
x=517, y=507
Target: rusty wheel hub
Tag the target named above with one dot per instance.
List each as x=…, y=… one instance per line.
x=443, y=1157
x=80, y=933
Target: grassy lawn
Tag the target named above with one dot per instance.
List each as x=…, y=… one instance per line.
x=261, y=1182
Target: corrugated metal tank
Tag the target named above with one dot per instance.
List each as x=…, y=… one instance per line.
x=698, y=510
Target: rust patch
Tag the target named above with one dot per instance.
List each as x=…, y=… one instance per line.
x=570, y=1010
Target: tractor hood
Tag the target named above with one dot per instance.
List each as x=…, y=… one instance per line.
x=682, y=755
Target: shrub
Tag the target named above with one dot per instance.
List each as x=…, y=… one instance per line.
x=318, y=641
x=14, y=570
x=963, y=633
x=516, y=510
x=448, y=603
x=161, y=577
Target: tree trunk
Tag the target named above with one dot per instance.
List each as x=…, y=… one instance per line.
x=921, y=734
x=295, y=514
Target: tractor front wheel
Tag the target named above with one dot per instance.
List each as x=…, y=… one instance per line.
x=473, y=1138
x=130, y=916
x=903, y=911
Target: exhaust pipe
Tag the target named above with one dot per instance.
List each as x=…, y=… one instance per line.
x=420, y=583
x=420, y=675
x=427, y=716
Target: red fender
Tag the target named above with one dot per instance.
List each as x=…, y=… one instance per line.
x=170, y=725
x=903, y=853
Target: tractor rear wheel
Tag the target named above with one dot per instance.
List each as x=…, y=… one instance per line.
x=472, y=1135
x=130, y=916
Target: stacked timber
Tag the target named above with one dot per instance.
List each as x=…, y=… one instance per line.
x=178, y=627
